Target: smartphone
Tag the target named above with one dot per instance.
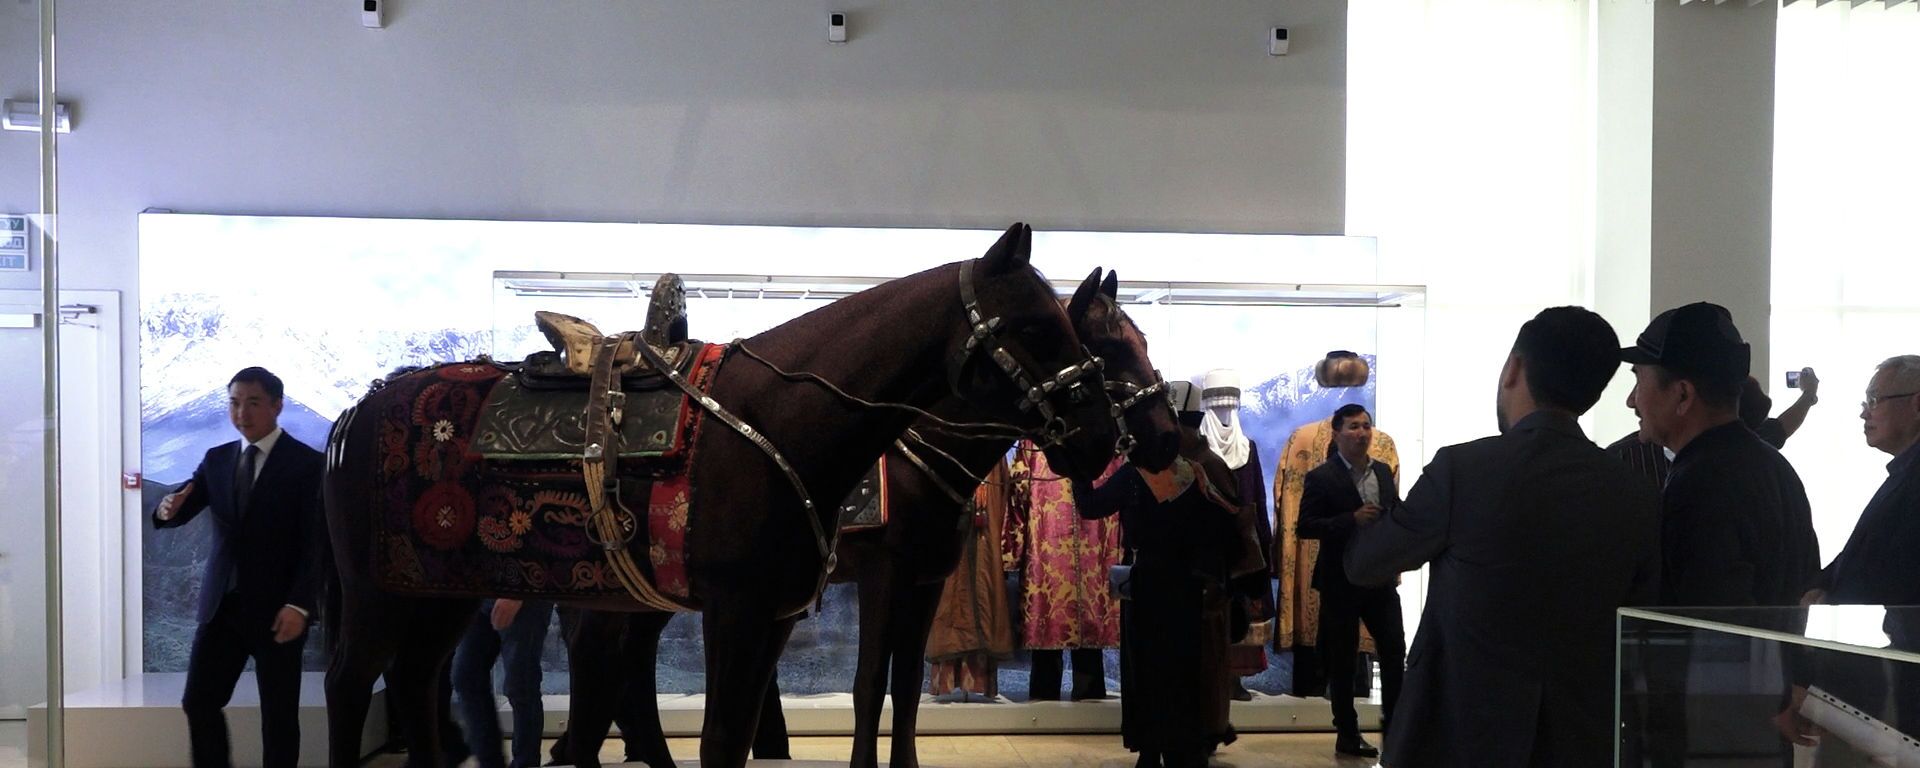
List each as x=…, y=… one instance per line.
x=1793, y=379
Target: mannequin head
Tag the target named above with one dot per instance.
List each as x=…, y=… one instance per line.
x=1220, y=391
x=1341, y=368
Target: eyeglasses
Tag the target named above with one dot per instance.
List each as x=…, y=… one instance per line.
x=1874, y=401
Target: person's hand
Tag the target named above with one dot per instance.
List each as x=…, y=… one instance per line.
x=1795, y=727
x=288, y=624
x=1813, y=597
x=504, y=610
x=170, y=505
x=1366, y=514
x=1809, y=384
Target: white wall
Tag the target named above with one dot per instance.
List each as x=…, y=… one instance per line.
x=1089, y=115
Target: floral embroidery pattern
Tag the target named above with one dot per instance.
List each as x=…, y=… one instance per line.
x=443, y=517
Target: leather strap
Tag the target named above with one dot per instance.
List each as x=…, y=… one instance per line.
x=610, y=524
x=824, y=541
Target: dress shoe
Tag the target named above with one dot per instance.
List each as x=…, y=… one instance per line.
x=1355, y=746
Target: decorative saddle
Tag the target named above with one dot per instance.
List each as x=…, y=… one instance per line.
x=542, y=411
x=615, y=409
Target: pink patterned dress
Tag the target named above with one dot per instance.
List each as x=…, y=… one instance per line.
x=1065, y=600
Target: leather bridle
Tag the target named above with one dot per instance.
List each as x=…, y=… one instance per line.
x=1043, y=395
x=1129, y=395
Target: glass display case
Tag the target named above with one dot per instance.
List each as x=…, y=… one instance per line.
x=1267, y=306
x=1822, y=686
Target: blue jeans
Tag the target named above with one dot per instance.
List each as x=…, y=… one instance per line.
x=518, y=648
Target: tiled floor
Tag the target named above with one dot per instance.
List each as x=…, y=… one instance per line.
x=1261, y=750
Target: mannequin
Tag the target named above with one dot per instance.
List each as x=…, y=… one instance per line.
x=1220, y=425
x=1297, y=616
x=971, y=632
x=1064, y=594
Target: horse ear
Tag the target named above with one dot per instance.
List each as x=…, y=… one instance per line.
x=1011, y=251
x=1083, y=296
x=1111, y=286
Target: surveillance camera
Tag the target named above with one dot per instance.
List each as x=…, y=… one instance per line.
x=1277, y=42
x=836, y=27
x=372, y=14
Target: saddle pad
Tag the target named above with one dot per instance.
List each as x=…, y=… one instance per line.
x=522, y=423
x=449, y=523
x=866, y=508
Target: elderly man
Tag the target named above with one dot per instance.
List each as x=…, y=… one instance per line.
x=1877, y=566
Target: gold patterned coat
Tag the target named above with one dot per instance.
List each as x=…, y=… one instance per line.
x=1298, y=624
x=1065, y=598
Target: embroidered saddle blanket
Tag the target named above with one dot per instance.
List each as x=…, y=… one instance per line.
x=479, y=490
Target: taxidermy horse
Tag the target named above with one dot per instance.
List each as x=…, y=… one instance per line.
x=901, y=567
x=439, y=493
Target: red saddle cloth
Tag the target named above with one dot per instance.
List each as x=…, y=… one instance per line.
x=449, y=522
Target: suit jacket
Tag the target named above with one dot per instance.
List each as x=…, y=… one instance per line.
x=1536, y=537
x=1326, y=513
x=1877, y=566
x=273, y=546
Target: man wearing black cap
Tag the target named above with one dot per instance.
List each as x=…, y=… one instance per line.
x=1736, y=529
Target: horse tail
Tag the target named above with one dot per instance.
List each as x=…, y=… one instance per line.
x=331, y=599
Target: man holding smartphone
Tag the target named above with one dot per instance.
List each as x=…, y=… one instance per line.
x=1348, y=492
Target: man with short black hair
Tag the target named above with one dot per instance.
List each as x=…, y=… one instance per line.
x=259, y=586
x=1537, y=538
x=1350, y=491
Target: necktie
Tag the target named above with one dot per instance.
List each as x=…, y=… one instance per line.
x=243, y=482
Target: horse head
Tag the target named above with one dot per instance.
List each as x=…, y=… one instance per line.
x=1020, y=361
x=1148, y=432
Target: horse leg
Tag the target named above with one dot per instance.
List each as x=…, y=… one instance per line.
x=639, y=702
x=362, y=650
x=876, y=583
x=770, y=739
x=742, y=646
x=914, y=622
x=594, y=667
x=413, y=680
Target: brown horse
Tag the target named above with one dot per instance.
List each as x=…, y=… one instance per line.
x=989, y=332
x=900, y=568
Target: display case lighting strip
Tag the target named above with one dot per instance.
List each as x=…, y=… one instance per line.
x=829, y=288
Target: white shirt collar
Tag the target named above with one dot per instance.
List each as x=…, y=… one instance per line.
x=266, y=443
x=1348, y=464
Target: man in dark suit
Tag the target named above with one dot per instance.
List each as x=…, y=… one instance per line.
x=1536, y=537
x=1878, y=564
x=259, y=585
x=1350, y=491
